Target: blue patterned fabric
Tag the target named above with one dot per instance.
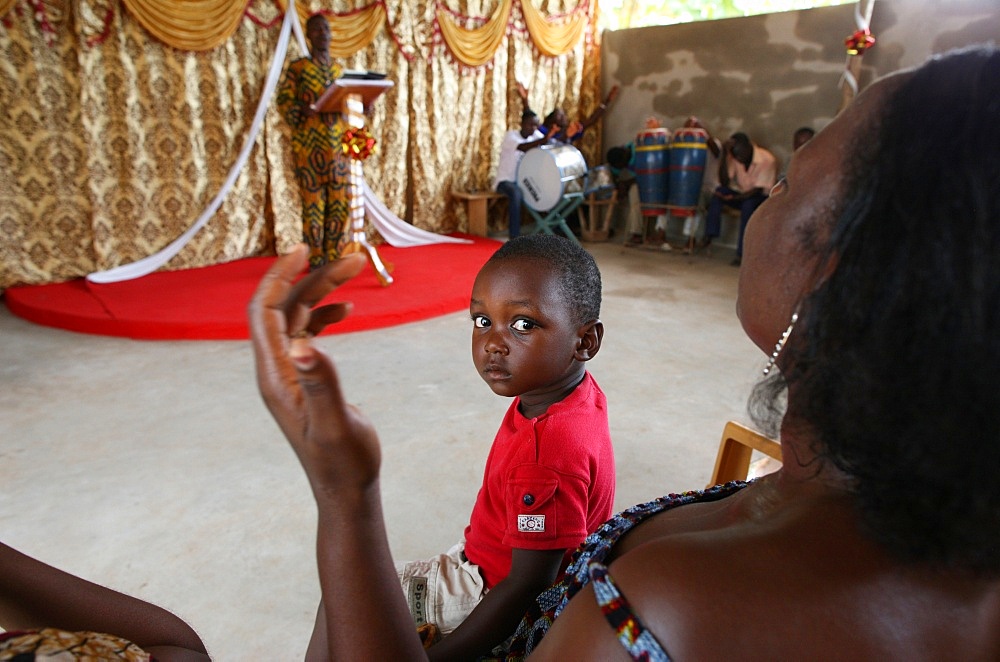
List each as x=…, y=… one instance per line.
x=595, y=549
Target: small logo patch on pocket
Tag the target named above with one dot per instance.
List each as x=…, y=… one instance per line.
x=416, y=595
x=531, y=523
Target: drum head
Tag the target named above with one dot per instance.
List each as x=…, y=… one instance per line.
x=546, y=173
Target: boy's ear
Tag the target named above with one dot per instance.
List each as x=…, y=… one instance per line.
x=589, y=343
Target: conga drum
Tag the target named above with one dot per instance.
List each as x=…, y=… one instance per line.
x=545, y=174
x=688, y=154
x=652, y=149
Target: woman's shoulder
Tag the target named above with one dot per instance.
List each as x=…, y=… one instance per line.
x=795, y=583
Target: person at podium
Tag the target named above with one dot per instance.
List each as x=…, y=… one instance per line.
x=320, y=166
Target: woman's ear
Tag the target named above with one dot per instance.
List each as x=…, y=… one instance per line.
x=589, y=343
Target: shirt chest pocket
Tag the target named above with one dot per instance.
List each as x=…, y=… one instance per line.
x=532, y=511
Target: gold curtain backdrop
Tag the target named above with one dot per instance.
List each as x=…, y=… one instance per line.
x=193, y=25
x=475, y=47
x=349, y=32
x=114, y=136
x=6, y=6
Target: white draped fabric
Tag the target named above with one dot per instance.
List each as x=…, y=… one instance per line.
x=395, y=230
x=398, y=232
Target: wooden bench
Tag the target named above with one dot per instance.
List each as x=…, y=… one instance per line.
x=476, y=204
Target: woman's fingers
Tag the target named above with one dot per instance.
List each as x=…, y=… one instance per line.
x=310, y=290
x=324, y=316
x=266, y=312
x=281, y=310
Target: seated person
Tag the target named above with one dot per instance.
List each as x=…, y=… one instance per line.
x=550, y=475
x=515, y=143
x=621, y=160
x=878, y=536
x=746, y=174
x=48, y=612
x=572, y=132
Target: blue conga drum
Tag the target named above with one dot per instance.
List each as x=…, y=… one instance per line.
x=652, y=160
x=688, y=155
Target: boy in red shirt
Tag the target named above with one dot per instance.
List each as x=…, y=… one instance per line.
x=550, y=475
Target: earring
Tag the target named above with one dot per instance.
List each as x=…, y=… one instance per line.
x=781, y=343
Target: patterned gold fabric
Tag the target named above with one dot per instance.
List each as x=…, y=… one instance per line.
x=161, y=128
x=45, y=211
x=192, y=25
x=349, y=33
x=475, y=47
x=60, y=645
x=112, y=141
x=555, y=37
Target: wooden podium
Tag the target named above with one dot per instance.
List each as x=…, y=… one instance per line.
x=350, y=97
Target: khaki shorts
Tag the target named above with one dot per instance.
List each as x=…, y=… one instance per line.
x=442, y=590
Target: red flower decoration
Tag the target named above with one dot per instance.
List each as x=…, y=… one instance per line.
x=358, y=143
x=859, y=42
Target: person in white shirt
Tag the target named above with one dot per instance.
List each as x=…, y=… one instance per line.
x=747, y=173
x=515, y=144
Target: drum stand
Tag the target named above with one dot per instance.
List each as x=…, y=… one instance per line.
x=555, y=218
x=673, y=211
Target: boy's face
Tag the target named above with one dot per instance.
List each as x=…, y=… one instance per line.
x=524, y=337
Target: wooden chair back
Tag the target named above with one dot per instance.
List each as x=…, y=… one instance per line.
x=737, y=445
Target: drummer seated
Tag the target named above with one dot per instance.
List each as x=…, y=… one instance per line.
x=747, y=172
x=621, y=160
x=558, y=128
x=515, y=143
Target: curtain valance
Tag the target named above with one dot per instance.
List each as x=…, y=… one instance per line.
x=202, y=25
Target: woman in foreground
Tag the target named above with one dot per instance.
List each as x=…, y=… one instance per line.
x=878, y=260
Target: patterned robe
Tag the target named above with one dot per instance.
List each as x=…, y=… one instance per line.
x=320, y=166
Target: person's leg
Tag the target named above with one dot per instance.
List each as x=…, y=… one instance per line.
x=313, y=205
x=336, y=220
x=713, y=216
x=635, y=222
x=514, y=199
x=659, y=236
x=338, y=229
x=442, y=590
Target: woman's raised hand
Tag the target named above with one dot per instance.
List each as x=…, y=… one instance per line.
x=334, y=441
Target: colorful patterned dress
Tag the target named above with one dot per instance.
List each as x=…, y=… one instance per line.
x=320, y=166
x=590, y=556
x=53, y=644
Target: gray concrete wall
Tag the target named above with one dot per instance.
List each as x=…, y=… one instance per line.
x=767, y=75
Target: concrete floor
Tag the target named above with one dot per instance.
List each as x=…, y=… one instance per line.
x=153, y=467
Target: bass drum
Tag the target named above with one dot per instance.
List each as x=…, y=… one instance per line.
x=545, y=174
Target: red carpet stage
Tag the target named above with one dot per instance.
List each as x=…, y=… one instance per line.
x=210, y=303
